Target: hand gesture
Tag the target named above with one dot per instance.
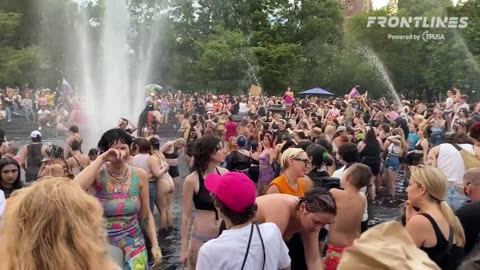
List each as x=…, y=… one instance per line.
x=184, y=258
x=157, y=255
x=113, y=155
x=410, y=211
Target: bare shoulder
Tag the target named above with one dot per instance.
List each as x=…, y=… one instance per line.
x=140, y=173
x=418, y=223
x=222, y=170
x=191, y=178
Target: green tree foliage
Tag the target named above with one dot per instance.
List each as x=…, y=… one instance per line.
x=224, y=46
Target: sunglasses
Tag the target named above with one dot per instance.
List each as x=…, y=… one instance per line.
x=305, y=161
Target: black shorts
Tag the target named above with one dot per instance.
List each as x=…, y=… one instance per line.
x=173, y=171
x=296, y=252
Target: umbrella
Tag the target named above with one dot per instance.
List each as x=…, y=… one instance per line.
x=65, y=87
x=153, y=87
x=316, y=92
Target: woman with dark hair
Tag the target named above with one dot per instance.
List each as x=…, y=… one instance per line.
x=55, y=164
x=145, y=119
x=9, y=176
x=300, y=221
x=240, y=159
x=254, y=170
x=208, y=154
x=318, y=176
x=266, y=159
x=234, y=197
x=123, y=192
x=93, y=154
x=77, y=160
x=370, y=150
x=323, y=141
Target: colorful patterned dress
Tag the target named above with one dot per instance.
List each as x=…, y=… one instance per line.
x=121, y=208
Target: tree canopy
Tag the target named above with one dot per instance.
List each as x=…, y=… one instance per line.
x=224, y=46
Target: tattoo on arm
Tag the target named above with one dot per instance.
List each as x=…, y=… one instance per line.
x=144, y=224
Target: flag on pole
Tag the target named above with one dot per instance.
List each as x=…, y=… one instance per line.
x=354, y=93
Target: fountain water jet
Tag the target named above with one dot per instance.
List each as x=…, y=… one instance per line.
x=375, y=60
x=113, y=71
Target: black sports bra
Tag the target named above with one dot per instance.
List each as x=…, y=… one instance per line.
x=202, y=199
x=173, y=155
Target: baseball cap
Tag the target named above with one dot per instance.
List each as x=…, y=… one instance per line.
x=35, y=134
x=235, y=190
x=341, y=129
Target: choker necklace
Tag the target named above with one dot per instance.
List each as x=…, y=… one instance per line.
x=120, y=176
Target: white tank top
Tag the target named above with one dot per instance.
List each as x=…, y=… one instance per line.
x=450, y=162
x=141, y=161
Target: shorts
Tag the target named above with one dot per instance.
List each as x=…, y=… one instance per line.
x=455, y=198
x=436, y=139
x=296, y=252
x=152, y=194
x=173, y=171
x=393, y=163
x=332, y=259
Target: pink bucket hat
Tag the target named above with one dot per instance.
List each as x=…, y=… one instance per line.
x=235, y=190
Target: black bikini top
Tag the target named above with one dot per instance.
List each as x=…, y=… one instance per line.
x=202, y=199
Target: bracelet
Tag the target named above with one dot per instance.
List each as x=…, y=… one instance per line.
x=156, y=247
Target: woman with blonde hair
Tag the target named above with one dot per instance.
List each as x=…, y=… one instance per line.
x=54, y=225
x=165, y=184
x=434, y=227
x=294, y=163
x=396, y=147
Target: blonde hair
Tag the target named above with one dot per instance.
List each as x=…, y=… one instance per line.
x=288, y=154
x=329, y=130
x=436, y=185
x=399, y=132
x=54, y=225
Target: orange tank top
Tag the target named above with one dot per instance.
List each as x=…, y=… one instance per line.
x=282, y=184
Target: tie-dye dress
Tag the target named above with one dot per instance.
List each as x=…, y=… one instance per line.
x=121, y=209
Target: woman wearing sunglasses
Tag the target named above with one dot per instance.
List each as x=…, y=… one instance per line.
x=294, y=163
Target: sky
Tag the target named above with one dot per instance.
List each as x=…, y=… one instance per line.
x=382, y=3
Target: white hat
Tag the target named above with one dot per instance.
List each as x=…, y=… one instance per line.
x=3, y=203
x=35, y=134
x=341, y=129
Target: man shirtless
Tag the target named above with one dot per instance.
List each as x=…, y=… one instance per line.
x=350, y=209
x=300, y=221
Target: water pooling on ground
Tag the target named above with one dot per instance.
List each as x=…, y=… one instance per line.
x=383, y=209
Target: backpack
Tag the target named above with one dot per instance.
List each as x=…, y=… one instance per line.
x=470, y=160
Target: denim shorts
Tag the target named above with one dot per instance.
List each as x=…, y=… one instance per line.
x=393, y=163
x=455, y=198
x=436, y=139
x=152, y=194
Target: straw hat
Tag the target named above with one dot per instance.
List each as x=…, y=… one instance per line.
x=386, y=247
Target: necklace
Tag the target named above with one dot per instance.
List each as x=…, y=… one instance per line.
x=295, y=187
x=117, y=184
x=118, y=176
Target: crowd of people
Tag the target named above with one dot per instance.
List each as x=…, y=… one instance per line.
x=53, y=110
x=299, y=178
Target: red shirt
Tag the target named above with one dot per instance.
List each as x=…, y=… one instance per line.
x=230, y=130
